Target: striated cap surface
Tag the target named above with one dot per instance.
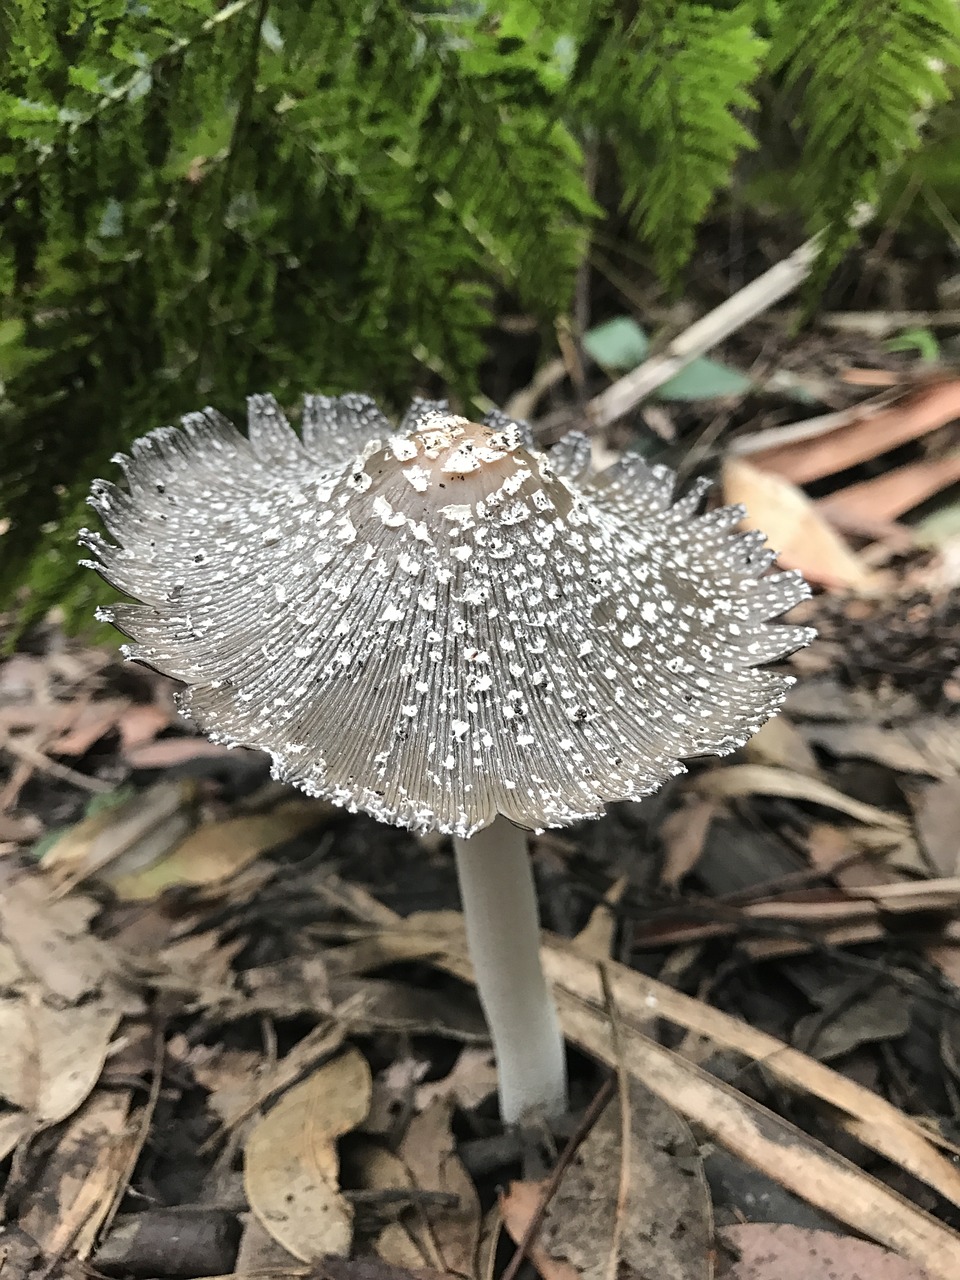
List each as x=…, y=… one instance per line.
x=439, y=623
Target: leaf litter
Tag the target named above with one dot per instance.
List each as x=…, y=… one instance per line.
x=238, y=1031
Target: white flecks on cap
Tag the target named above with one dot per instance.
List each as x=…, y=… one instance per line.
x=441, y=623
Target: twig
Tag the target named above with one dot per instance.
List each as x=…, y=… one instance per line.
x=590, y=1118
x=623, y=1088
x=30, y=755
x=758, y=296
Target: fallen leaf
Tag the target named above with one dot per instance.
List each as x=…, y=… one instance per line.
x=260, y=1256
x=50, y=1058
x=141, y=722
x=64, y=997
x=780, y=743
x=291, y=1165
x=683, y=834
x=801, y=535
x=853, y=1018
x=472, y=1080
x=92, y=721
x=215, y=851
x=235, y=1100
x=446, y=1238
x=936, y=813
x=891, y=495
x=429, y=1152
x=597, y=936
x=766, y=1251
x=519, y=1207
x=137, y=828
x=666, y=1221
x=870, y=434
x=895, y=747
x=167, y=753
x=81, y=1176
x=758, y=779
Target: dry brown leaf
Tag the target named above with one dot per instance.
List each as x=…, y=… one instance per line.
x=64, y=998
x=896, y=747
x=92, y=721
x=82, y=1176
x=235, y=1100
x=781, y=744
x=518, y=1208
x=216, y=850
x=777, y=1148
x=684, y=835
x=170, y=752
x=936, y=812
x=260, y=1256
x=142, y=829
x=666, y=1228
x=53, y=943
x=428, y=1152
x=50, y=1059
x=291, y=1166
x=232, y=1077
x=889, y=496
x=868, y=436
x=802, y=537
x=405, y=1243
x=141, y=722
x=762, y=780
x=765, y=1251
x=472, y=1079
x=597, y=936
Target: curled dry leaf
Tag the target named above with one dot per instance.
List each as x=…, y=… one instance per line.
x=764, y=1251
x=63, y=1000
x=291, y=1165
x=139, y=828
x=445, y=1237
x=891, y=495
x=763, y=780
x=217, y=850
x=666, y=1228
x=803, y=537
x=82, y=1175
x=869, y=433
x=472, y=1079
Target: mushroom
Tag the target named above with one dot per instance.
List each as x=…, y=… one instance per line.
x=444, y=627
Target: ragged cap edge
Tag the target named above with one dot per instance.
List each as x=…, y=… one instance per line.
x=613, y=528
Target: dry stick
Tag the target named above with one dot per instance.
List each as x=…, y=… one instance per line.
x=589, y=1119
x=758, y=296
x=884, y=1128
x=879, y=1125
x=803, y=1165
x=626, y=1133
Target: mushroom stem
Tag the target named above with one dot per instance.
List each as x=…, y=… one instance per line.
x=503, y=934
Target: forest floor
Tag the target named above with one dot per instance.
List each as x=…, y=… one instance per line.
x=237, y=1032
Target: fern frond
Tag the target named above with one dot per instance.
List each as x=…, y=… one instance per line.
x=864, y=74
x=669, y=88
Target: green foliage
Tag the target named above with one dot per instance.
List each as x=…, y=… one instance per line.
x=200, y=198
x=668, y=84
x=865, y=74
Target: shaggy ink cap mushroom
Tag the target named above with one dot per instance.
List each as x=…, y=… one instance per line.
x=450, y=630
x=440, y=624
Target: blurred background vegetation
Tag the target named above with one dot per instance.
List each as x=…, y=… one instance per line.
x=200, y=199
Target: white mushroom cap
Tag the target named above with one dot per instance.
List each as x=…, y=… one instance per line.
x=439, y=624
